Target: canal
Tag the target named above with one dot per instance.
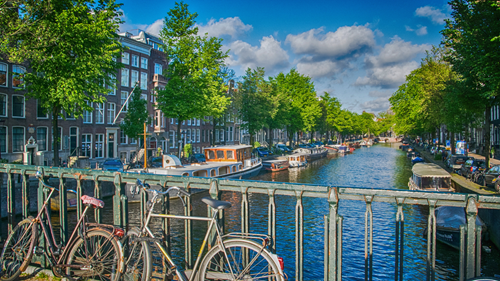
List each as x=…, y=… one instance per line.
x=381, y=166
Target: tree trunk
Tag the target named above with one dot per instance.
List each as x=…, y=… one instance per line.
x=452, y=143
x=487, y=135
x=179, y=149
x=55, y=134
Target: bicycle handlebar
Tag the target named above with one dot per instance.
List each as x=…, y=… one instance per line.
x=40, y=178
x=146, y=187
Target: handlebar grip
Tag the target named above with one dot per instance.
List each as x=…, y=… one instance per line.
x=183, y=191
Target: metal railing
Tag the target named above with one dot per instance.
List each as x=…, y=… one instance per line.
x=469, y=253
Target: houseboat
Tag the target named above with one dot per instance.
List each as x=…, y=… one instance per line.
x=233, y=161
x=312, y=153
x=275, y=165
x=297, y=160
x=430, y=177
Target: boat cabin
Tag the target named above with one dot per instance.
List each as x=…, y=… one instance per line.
x=230, y=153
x=430, y=177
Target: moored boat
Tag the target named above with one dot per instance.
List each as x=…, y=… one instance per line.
x=297, y=160
x=312, y=153
x=448, y=222
x=430, y=177
x=275, y=165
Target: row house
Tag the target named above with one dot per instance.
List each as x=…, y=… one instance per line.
x=97, y=135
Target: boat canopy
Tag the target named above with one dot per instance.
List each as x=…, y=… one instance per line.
x=453, y=217
x=429, y=170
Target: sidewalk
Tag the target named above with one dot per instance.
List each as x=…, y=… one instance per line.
x=493, y=162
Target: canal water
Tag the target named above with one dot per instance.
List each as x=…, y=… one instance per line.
x=381, y=166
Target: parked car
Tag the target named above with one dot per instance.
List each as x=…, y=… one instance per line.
x=456, y=161
x=112, y=164
x=283, y=148
x=471, y=166
x=262, y=151
x=490, y=176
x=197, y=158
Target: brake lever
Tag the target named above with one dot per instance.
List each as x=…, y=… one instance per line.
x=183, y=202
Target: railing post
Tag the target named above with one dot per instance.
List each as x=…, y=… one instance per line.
x=42, y=195
x=79, y=194
x=400, y=234
x=245, y=216
x=334, y=235
x=299, y=237
x=188, y=229
x=120, y=211
x=97, y=194
x=368, y=238
x=271, y=224
x=215, y=194
x=25, y=195
x=63, y=208
x=11, y=201
x=431, y=241
x=471, y=213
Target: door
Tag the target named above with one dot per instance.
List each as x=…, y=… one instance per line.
x=111, y=145
x=73, y=141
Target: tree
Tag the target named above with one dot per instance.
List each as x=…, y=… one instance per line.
x=333, y=108
x=472, y=36
x=195, y=75
x=72, y=49
x=137, y=115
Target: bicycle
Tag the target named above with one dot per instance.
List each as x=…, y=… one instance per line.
x=93, y=251
x=235, y=256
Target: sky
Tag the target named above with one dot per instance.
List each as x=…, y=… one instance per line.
x=358, y=51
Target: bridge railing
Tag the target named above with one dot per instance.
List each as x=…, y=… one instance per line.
x=470, y=251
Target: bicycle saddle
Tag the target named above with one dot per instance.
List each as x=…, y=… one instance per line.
x=96, y=203
x=216, y=204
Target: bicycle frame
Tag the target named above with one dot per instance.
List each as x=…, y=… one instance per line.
x=145, y=230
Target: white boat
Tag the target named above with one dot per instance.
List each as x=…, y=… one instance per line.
x=312, y=153
x=234, y=161
x=297, y=160
x=430, y=177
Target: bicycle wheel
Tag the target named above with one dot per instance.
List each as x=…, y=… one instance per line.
x=138, y=263
x=95, y=256
x=18, y=250
x=246, y=262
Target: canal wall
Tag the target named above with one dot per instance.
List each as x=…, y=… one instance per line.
x=489, y=216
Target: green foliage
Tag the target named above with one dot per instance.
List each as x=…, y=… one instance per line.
x=256, y=144
x=71, y=46
x=137, y=115
x=196, y=70
x=188, y=150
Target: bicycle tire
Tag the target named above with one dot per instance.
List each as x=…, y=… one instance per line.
x=137, y=258
x=17, y=254
x=262, y=266
x=98, y=255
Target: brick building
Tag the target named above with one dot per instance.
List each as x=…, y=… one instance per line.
x=97, y=135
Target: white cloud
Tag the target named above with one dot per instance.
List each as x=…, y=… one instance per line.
x=155, y=28
x=318, y=69
x=387, y=76
x=269, y=55
x=380, y=94
x=228, y=26
x=421, y=30
x=377, y=105
x=432, y=13
x=396, y=51
x=345, y=41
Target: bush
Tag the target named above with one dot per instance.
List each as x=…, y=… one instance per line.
x=438, y=156
x=256, y=144
x=188, y=150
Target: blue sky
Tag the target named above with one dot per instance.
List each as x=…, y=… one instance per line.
x=358, y=51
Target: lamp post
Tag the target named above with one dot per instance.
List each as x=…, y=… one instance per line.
x=181, y=143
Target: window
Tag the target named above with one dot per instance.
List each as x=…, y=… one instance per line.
x=17, y=75
x=144, y=63
x=86, y=145
x=134, y=78
x=189, y=122
x=60, y=136
x=125, y=58
x=41, y=113
x=221, y=134
x=87, y=115
x=3, y=139
x=111, y=112
x=158, y=69
x=124, y=97
x=99, y=146
x=144, y=81
x=123, y=137
x=133, y=141
x=124, y=81
x=198, y=122
x=17, y=106
x=3, y=74
x=3, y=105
x=171, y=138
x=99, y=114
x=188, y=135
x=135, y=60
x=17, y=139
x=111, y=86
x=197, y=135
x=41, y=138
